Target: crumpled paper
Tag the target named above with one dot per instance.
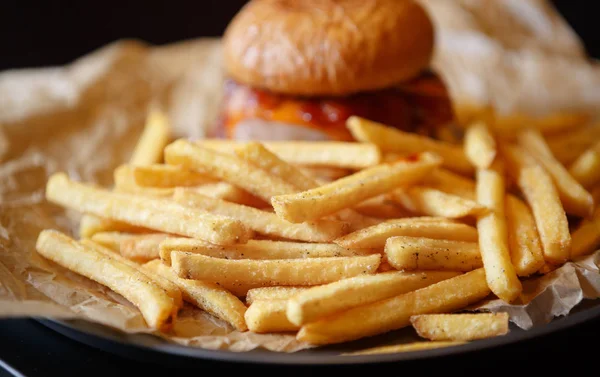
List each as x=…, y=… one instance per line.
x=84, y=118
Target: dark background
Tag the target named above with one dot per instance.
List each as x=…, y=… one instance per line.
x=46, y=32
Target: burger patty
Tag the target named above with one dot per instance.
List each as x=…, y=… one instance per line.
x=418, y=106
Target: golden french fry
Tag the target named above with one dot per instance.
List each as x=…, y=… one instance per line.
x=265, y=316
x=329, y=154
x=323, y=173
x=586, y=168
x=261, y=221
x=428, y=201
x=493, y=235
x=156, y=306
x=258, y=249
x=230, y=193
x=171, y=289
x=480, y=146
x=351, y=190
x=125, y=182
x=567, y=146
x=228, y=168
x=257, y=154
x=381, y=206
x=153, y=139
x=465, y=327
x=272, y=293
x=324, y=300
x=523, y=238
x=153, y=213
x=142, y=248
x=407, y=347
x=90, y=225
x=207, y=296
x=451, y=183
x=389, y=139
x=111, y=240
x=586, y=237
x=375, y=236
x=542, y=197
x=416, y=253
x=394, y=313
x=575, y=199
x=308, y=271
x=165, y=176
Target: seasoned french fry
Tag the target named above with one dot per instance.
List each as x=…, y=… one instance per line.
x=90, y=225
x=157, y=308
x=415, y=253
x=257, y=154
x=111, y=240
x=345, y=155
x=480, y=146
x=465, y=327
x=142, y=248
x=349, y=191
x=152, y=141
x=428, y=201
x=309, y=271
x=394, y=313
x=207, y=296
x=375, y=236
x=153, y=213
x=322, y=301
x=125, y=182
x=493, y=235
x=542, y=197
x=575, y=199
x=272, y=293
x=228, y=168
x=523, y=238
x=381, y=206
x=230, y=193
x=324, y=173
x=407, y=347
x=586, y=237
x=258, y=249
x=265, y=316
x=171, y=289
x=451, y=183
x=389, y=139
x=567, y=146
x=586, y=168
x=165, y=176
x=262, y=221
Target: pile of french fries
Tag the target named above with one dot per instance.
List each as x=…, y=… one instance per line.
x=335, y=241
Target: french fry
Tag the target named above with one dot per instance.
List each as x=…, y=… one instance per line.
x=346, y=155
x=393, y=140
x=90, y=225
x=153, y=213
x=375, y=236
x=586, y=237
x=257, y=154
x=171, y=289
x=125, y=182
x=111, y=240
x=228, y=168
x=394, y=313
x=542, y=197
x=166, y=176
x=152, y=141
x=523, y=238
x=258, y=249
x=382, y=206
x=157, y=308
x=142, y=248
x=324, y=173
x=322, y=301
x=574, y=197
x=351, y=190
x=547, y=268
x=586, y=168
x=567, y=146
x=230, y=193
x=451, y=183
x=272, y=293
x=457, y=327
x=309, y=271
x=261, y=221
x=207, y=296
x=415, y=253
x=266, y=316
x=480, y=146
x=407, y=347
x=431, y=202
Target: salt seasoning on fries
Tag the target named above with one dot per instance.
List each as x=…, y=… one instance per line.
x=523, y=238
x=416, y=253
x=273, y=293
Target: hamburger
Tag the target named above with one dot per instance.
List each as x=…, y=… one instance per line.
x=296, y=70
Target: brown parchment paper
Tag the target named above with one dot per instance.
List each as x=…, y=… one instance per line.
x=84, y=118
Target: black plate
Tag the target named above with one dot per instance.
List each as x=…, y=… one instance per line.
x=139, y=346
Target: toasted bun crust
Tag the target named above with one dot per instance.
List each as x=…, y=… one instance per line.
x=327, y=47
